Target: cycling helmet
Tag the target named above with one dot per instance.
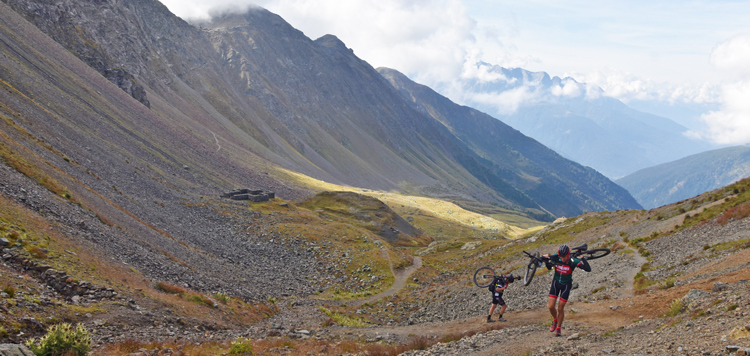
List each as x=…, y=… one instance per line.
x=564, y=250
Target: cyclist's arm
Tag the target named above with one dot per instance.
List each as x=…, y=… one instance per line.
x=584, y=265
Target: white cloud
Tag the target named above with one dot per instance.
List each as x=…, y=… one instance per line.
x=508, y=101
x=202, y=10
x=731, y=124
x=472, y=69
x=570, y=88
x=733, y=55
x=627, y=87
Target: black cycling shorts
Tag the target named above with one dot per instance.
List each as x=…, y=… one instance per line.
x=497, y=298
x=560, y=289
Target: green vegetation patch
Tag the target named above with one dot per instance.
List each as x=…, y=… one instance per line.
x=62, y=339
x=735, y=245
x=344, y=320
x=202, y=300
x=240, y=346
x=674, y=309
x=640, y=280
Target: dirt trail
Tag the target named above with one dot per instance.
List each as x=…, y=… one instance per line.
x=400, y=278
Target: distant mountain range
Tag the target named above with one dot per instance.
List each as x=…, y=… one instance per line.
x=687, y=177
x=579, y=121
x=543, y=175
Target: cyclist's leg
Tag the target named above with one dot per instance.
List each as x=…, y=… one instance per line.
x=495, y=302
x=502, y=306
x=561, y=312
x=551, y=306
x=564, y=295
x=554, y=291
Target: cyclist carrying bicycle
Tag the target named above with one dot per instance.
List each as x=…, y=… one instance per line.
x=498, y=285
x=562, y=283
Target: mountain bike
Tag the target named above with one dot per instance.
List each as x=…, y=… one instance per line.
x=484, y=276
x=582, y=251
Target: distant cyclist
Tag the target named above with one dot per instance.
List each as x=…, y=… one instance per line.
x=562, y=284
x=498, y=285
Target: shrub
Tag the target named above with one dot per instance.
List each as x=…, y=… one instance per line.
x=10, y=291
x=675, y=308
x=38, y=252
x=736, y=213
x=241, y=346
x=419, y=343
x=169, y=288
x=195, y=298
x=222, y=297
x=62, y=339
x=618, y=246
x=669, y=283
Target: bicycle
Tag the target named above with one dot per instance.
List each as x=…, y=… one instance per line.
x=582, y=251
x=484, y=276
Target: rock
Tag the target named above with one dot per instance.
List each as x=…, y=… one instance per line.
x=739, y=333
x=4, y=242
x=719, y=286
x=471, y=245
x=614, y=307
x=693, y=298
x=14, y=350
x=575, y=336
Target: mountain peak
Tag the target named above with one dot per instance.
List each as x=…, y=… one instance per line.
x=331, y=41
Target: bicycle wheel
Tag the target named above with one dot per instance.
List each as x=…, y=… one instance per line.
x=530, y=270
x=595, y=253
x=484, y=276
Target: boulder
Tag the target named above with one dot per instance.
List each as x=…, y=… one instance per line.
x=719, y=286
x=15, y=350
x=693, y=298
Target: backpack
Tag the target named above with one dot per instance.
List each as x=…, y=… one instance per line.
x=494, y=283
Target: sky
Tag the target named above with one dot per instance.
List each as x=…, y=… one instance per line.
x=666, y=51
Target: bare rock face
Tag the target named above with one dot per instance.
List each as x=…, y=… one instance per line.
x=14, y=350
x=83, y=30
x=128, y=83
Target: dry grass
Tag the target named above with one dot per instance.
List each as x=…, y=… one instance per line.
x=443, y=210
x=735, y=213
x=275, y=346
x=618, y=246
x=170, y=288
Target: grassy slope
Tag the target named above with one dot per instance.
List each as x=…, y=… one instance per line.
x=437, y=218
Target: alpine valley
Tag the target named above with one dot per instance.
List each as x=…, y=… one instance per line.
x=234, y=187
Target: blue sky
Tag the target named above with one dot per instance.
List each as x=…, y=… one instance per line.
x=664, y=51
